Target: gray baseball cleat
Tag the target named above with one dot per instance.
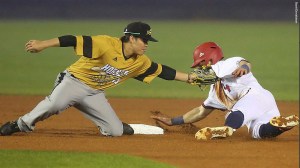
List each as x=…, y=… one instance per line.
x=9, y=128
x=214, y=132
x=127, y=129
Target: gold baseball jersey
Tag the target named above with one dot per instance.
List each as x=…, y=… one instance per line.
x=102, y=64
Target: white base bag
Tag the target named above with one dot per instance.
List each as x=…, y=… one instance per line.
x=146, y=129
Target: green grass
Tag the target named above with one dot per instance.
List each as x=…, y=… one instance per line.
x=271, y=47
x=24, y=159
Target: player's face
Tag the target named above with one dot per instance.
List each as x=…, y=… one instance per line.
x=139, y=45
x=202, y=64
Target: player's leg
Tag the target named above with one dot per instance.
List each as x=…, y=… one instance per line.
x=260, y=127
x=248, y=108
x=98, y=109
x=271, y=124
x=64, y=95
x=270, y=128
x=233, y=121
x=277, y=126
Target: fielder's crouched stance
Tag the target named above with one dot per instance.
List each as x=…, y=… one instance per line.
x=236, y=91
x=104, y=63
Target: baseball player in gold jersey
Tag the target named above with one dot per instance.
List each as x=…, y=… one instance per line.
x=104, y=62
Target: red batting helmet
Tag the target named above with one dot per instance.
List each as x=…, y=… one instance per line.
x=208, y=51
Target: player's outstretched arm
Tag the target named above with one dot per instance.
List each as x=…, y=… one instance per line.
x=169, y=73
x=196, y=114
x=35, y=46
x=184, y=77
x=192, y=116
x=163, y=119
x=180, y=76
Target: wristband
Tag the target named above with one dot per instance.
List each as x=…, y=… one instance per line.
x=177, y=120
x=245, y=66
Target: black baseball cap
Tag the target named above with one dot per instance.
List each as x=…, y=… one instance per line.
x=139, y=29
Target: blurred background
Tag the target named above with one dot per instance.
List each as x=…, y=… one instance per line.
x=276, y=10
x=266, y=32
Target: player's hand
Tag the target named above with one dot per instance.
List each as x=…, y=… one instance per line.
x=164, y=120
x=34, y=46
x=191, y=77
x=239, y=72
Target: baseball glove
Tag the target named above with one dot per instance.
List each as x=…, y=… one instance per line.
x=203, y=76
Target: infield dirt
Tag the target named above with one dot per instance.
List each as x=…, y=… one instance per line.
x=71, y=131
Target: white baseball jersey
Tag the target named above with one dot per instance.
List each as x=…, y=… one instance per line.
x=243, y=94
x=234, y=88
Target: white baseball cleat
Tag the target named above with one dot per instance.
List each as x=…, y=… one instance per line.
x=214, y=132
x=285, y=122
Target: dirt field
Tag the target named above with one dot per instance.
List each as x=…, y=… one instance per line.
x=70, y=131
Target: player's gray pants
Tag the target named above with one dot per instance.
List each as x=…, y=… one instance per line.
x=69, y=91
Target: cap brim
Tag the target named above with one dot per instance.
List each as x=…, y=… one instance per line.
x=152, y=39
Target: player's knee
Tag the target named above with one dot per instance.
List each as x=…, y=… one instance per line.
x=117, y=132
x=235, y=119
x=111, y=131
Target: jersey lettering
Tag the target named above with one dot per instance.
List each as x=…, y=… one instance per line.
x=108, y=74
x=226, y=87
x=114, y=71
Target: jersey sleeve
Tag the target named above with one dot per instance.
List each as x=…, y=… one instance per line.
x=90, y=46
x=149, y=70
x=224, y=69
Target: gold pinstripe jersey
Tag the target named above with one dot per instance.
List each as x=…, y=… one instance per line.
x=102, y=65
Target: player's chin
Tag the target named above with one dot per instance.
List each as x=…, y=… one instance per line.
x=142, y=52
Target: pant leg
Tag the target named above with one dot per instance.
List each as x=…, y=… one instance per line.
x=98, y=109
x=66, y=93
x=258, y=108
x=254, y=126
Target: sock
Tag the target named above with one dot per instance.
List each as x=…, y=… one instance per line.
x=235, y=119
x=269, y=131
